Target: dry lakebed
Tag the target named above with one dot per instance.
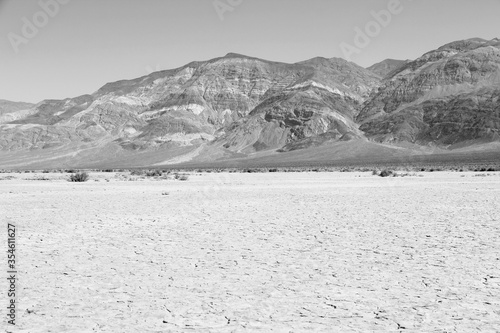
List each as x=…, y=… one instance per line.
x=270, y=252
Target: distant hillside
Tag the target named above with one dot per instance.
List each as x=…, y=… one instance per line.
x=8, y=106
x=385, y=68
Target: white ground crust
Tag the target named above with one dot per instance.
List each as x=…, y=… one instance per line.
x=258, y=253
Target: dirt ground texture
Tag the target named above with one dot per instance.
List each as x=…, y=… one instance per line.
x=275, y=252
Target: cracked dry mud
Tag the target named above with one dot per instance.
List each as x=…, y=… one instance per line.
x=291, y=252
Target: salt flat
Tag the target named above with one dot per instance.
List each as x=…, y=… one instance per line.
x=277, y=252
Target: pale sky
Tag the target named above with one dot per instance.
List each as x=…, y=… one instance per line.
x=84, y=44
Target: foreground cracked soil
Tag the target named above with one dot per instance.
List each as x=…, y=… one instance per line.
x=285, y=252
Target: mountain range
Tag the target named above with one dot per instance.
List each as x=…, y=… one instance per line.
x=240, y=110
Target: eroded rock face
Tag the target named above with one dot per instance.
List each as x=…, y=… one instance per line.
x=447, y=96
x=324, y=101
x=238, y=105
x=201, y=102
x=294, y=115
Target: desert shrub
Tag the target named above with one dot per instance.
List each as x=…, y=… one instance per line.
x=491, y=170
x=79, y=177
x=70, y=171
x=403, y=174
x=38, y=178
x=136, y=173
x=107, y=170
x=273, y=170
x=154, y=173
x=375, y=173
x=178, y=176
x=386, y=173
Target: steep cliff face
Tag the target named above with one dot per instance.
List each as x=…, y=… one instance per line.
x=439, y=97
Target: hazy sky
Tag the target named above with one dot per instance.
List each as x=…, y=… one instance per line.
x=84, y=44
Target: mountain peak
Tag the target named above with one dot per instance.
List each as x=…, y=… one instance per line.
x=469, y=44
x=323, y=60
x=236, y=55
x=387, y=66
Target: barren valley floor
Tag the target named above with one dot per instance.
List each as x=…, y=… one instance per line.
x=276, y=252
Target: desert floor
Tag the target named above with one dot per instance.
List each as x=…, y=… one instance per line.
x=277, y=252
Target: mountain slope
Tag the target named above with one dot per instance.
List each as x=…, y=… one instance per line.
x=10, y=111
x=321, y=103
x=9, y=106
x=448, y=96
x=386, y=67
x=199, y=103
x=240, y=108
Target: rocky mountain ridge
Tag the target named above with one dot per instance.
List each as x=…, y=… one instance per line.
x=387, y=67
x=238, y=106
x=446, y=97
